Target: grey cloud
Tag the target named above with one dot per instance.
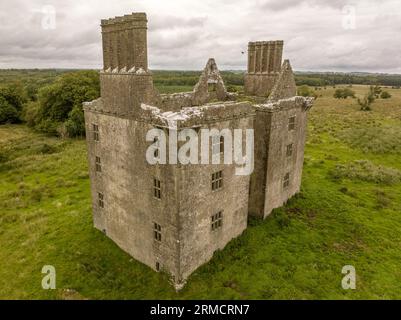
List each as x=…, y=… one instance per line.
x=183, y=34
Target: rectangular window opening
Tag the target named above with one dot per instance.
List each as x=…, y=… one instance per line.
x=157, y=232
x=98, y=165
x=217, y=221
x=217, y=180
x=291, y=123
x=286, y=183
x=95, y=128
x=100, y=200
x=157, y=191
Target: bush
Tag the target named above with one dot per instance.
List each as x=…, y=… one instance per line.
x=305, y=91
x=344, y=93
x=365, y=170
x=368, y=99
x=8, y=114
x=30, y=113
x=385, y=95
x=12, y=99
x=378, y=140
x=48, y=126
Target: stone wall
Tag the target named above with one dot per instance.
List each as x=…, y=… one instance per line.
x=126, y=182
x=198, y=202
x=271, y=160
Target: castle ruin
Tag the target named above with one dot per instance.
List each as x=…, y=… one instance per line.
x=173, y=217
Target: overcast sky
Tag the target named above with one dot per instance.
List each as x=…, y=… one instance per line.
x=319, y=35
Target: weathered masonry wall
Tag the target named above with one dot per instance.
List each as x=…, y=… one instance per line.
x=123, y=93
x=126, y=182
x=279, y=163
x=198, y=203
x=272, y=137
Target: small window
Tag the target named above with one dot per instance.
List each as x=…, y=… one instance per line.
x=100, y=200
x=157, y=142
x=289, y=150
x=217, y=221
x=157, y=232
x=291, y=123
x=286, y=183
x=98, y=165
x=157, y=191
x=217, y=180
x=157, y=266
x=95, y=132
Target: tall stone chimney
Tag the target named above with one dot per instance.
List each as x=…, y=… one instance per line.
x=264, y=65
x=125, y=81
x=125, y=42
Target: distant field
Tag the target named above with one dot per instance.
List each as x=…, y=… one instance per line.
x=348, y=213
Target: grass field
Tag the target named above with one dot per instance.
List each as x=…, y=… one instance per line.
x=348, y=213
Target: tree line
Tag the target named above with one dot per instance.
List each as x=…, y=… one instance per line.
x=50, y=101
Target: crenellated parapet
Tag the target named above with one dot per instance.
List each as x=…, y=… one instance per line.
x=125, y=42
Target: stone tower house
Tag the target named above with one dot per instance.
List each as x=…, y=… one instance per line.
x=173, y=217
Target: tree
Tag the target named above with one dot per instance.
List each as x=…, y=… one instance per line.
x=367, y=100
x=62, y=101
x=377, y=90
x=75, y=125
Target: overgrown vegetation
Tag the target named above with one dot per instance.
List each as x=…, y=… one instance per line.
x=377, y=140
x=366, y=171
x=297, y=253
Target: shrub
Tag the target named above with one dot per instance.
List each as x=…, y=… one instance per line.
x=8, y=113
x=344, y=93
x=365, y=170
x=377, y=90
x=368, y=99
x=385, y=95
x=30, y=113
x=378, y=140
x=15, y=95
x=305, y=91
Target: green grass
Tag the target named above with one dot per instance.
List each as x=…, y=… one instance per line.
x=173, y=89
x=297, y=253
